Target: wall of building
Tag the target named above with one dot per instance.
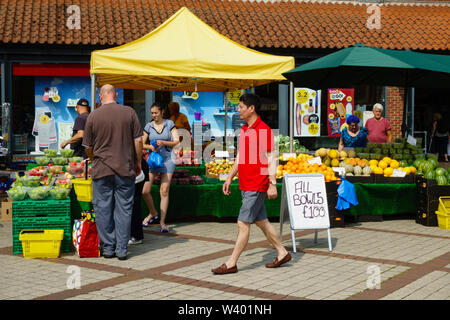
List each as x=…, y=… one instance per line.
x=394, y=108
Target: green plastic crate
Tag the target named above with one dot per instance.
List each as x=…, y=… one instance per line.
x=30, y=208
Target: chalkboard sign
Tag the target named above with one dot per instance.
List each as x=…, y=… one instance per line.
x=304, y=199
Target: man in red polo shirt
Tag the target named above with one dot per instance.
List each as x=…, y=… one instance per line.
x=256, y=164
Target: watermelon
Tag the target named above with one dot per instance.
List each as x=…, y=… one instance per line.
x=434, y=162
x=417, y=163
x=403, y=163
x=430, y=175
x=440, y=171
x=427, y=166
x=441, y=180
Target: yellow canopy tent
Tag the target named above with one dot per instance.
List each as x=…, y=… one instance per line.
x=185, y=54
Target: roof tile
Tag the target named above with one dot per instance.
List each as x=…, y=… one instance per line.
x=293, y=24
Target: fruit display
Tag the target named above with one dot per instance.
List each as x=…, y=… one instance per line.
x=398, y=150
x=300, y=164
x=59, y=193
x=218, y=166
x=284, y=145
x=356, y=165
x=56, y=169
x=38, y=193
x=50, y=152
x=66, y=153
x=59, y=161
x=42, y=161
x=430, y=170
x=76, y=159
x=40, y=171
x=17, y=193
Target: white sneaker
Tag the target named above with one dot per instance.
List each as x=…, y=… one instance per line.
x=134, y=241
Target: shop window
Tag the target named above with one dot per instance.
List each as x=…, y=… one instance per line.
x=269, y=103
x=23, y=113
x=136, y=100
x=367, y=96
x=164, y=97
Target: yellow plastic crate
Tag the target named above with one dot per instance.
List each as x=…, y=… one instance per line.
x=443, y=220
x=83, y=189
x=444, y=205
x=41, y=243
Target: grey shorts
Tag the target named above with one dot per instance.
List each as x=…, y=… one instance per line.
x=253, y=208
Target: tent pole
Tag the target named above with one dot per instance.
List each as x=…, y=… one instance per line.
x=291, y=117
x=93, y=90
x=225, y=99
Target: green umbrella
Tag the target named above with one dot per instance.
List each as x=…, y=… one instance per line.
x=363, y=65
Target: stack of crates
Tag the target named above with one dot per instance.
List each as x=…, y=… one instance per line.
x=42, y=215
x=428, y=193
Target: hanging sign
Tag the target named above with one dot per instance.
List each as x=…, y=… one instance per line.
x=340, y=106
x=306, y=112
x=304, y=200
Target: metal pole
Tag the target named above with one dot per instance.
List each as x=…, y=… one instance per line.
x=93, y=91
x=291, y=118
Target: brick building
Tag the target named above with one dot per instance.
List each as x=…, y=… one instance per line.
x=54, y=38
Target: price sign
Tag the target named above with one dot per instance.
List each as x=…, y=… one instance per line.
x=234, y=96
x=304, y=198
x=398, y=173
x=287, y=156
x=411, y=140
x=317, y=160
x=302, y=96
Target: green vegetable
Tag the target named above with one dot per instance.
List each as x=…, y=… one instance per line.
x=38, y=193
x=17, y=193
x=76, y=159
x=59, y=193
x=59, y=161
x=50, y=152
x=42, y=161
x=67, y=153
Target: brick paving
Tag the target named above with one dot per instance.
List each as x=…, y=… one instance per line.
x=411, y=261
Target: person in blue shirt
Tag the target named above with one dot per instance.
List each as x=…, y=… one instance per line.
x=354, y=135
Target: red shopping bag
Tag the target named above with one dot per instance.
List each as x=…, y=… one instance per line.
x=88, y=246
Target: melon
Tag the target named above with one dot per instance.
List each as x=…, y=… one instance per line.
x=430, y=175
x=441, y=180
x=403, y=163
x=427, y=166
x=327, y=162
x=417, y=163
x=322, y=152
x=342, y=164
x=333, y=154
x=343, y=154
x=351, y=154
x=349, y=174
x=335, y=163
x=440, y=171
x=357, y=170
x=366, y=171
x=433, y=162
x=348, y=168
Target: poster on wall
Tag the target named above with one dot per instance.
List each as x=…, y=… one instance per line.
x=340, y=105
x=307, y=112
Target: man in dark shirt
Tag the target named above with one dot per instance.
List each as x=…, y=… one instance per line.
x=113, y=142
x=82, y=108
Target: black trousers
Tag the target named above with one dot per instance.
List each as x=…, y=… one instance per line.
x=137, y=231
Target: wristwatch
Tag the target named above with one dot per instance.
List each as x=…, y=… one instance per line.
x=274, y=182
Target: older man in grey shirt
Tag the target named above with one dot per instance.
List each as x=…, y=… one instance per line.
x=112, y=139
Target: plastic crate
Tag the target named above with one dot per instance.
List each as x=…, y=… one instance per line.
x=443, y=213
x=40, y=223
x=41, y=243
x=30, y=208
x=444, y=205
x=83, y=189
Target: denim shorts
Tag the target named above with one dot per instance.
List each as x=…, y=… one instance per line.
x=253, y=208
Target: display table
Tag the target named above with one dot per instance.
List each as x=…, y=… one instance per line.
x=384, y=199
x=208, y=199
